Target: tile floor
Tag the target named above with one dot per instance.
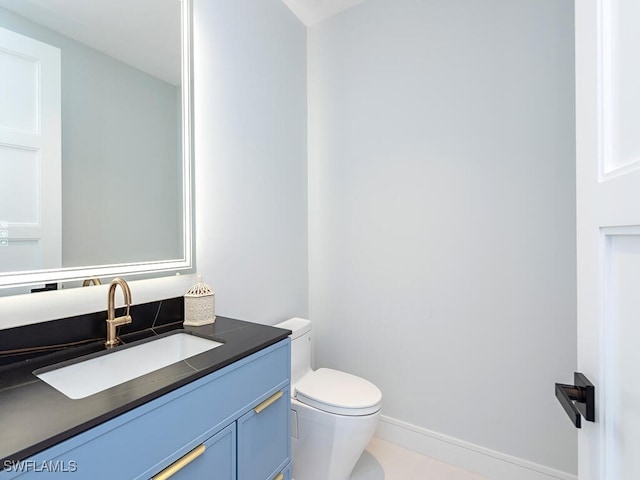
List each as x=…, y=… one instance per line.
x=385, y=461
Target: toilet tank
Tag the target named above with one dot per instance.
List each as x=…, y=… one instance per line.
x=300, y=346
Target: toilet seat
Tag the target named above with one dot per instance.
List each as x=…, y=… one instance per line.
x=338, y=392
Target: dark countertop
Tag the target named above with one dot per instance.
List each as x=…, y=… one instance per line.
x=35, y=416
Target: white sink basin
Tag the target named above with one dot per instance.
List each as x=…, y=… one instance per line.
x=96, y=374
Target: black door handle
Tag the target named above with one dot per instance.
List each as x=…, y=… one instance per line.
x=578, y=400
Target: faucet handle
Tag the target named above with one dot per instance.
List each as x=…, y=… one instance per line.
x=123, y=320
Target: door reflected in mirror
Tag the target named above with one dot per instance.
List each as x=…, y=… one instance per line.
x=94, y=169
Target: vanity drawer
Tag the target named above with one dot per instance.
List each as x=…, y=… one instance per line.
x=215, y=458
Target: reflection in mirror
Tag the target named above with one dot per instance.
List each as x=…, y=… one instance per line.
x=94, y=172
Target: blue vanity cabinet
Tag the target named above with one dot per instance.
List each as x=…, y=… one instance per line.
x=257, y=443
x=217, y=411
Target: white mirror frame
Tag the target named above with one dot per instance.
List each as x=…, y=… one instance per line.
x=38, y=277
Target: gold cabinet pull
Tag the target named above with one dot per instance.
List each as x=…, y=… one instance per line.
x=280, y=476
x=267, y=402
x=179, y=464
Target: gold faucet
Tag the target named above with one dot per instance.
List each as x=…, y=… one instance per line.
x=112, y=321
x=89, y=281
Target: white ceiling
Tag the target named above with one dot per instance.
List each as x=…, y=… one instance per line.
x=313, y=11
x=142, y=33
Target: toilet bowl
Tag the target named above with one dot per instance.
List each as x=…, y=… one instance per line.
x=333, y=413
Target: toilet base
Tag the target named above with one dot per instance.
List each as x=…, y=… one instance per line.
x=327, y=446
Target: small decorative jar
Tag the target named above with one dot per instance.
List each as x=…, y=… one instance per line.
x=199, y=305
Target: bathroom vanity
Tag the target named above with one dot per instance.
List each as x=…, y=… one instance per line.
x=221, y=414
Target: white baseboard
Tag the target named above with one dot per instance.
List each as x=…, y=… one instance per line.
x=489, y=463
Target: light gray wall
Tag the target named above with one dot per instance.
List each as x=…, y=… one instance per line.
x=250, y=153
x=121, y=150
x=441, y=210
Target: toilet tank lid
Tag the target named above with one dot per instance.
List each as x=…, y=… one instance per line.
x=298, y=326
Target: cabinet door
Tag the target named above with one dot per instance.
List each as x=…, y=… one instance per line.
x=264, y=438
x=215, y=459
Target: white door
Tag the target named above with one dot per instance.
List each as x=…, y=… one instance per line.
x=30, y=154
x=608, y=223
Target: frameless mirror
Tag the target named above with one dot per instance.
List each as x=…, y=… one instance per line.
x=95, y=139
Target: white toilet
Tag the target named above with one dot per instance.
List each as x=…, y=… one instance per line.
x=333, y=414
